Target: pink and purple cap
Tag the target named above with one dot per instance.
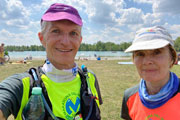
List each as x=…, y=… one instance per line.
x=58, y=11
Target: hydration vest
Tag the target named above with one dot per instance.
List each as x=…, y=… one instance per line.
x=89, y=103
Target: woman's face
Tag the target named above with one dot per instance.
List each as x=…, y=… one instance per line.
x=153, y=65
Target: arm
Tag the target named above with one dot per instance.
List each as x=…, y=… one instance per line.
x=2, y=116
x=11, y=91
x=127, y=94
x=124, y=110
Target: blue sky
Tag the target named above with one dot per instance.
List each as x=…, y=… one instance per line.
x=103, y=20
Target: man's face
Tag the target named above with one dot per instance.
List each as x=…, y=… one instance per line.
x=62, y=40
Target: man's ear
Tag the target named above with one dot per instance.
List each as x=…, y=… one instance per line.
x=41, y=38
x=81, y=39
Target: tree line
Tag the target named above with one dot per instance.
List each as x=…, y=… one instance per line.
x=99, y=46
x=24, y=48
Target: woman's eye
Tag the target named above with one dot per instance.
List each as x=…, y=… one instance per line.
x=139, y=54
x=156, y=52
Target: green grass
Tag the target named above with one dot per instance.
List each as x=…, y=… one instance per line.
x=112, y=77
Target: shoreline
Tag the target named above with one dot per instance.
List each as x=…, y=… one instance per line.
x=81, y=58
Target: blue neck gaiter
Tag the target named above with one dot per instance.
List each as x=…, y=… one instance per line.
x=166, y=92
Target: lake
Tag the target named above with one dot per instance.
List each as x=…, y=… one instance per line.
x=42, y=54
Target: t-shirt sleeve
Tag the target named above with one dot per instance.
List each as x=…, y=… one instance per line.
x=11, y=91
x=127, y=94
x=124, y=110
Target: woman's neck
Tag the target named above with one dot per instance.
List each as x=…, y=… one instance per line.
x=155, y=87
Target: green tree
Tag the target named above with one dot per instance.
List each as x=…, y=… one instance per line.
x=177, y=44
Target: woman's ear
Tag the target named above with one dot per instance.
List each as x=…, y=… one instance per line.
x=172, y=63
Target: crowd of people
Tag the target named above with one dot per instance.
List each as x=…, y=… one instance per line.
x=73, y=93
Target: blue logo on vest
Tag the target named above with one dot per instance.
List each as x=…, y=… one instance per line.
x=71, y=107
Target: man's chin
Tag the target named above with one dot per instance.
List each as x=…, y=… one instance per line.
x=64, y=62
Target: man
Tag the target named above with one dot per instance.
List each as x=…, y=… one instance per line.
x=2, y=54
x=61, y=36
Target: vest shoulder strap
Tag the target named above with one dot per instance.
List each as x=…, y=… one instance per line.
x=39, y=82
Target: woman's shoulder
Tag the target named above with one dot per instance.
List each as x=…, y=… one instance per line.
x=131, y=91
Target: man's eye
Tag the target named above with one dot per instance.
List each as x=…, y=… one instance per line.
x=56, y=31
x=74, y=33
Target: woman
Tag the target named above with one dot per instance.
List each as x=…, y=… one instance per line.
x=157, y=97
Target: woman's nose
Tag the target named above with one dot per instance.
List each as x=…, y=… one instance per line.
x=147, y=60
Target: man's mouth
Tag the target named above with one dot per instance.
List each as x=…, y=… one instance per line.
x=62, y=50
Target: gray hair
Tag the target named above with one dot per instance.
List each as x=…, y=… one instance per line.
x=44, y=26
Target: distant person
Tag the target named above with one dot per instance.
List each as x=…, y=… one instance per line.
x=95, y=55
x=71, y=93
x=25, y=60
x=30, y=57
x=157, y=96
x=98, y=58
x=2, y=54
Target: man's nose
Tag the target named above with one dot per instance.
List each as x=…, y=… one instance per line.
x=65, y=39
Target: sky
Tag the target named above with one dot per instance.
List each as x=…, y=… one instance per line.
x=103, y=20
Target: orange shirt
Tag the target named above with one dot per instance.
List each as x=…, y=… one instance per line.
x=168, y=111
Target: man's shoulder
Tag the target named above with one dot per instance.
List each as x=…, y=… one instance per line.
x=16, y=77
x=20, y=75
x=91, y=72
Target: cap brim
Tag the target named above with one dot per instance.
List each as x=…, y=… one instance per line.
x=147, y=45
x=62, y=16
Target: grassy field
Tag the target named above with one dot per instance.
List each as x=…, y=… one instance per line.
x=113, y=80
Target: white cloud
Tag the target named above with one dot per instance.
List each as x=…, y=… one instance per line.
x=27, y=38
x=131, y=16
x=109, y=34
x=167, y=6
x=13, y=13
x=144, y=1
x=99, y=12
x=151, y=19
x=174, y=30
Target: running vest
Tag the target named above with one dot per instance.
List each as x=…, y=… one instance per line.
x=133, y=109
x=65, y=98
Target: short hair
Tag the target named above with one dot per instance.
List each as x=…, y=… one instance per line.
x=172, y=53
x=44, y=25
